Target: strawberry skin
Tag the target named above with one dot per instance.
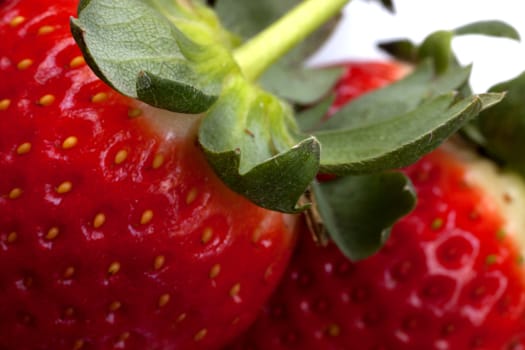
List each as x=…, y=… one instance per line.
x=448, y=278
x=360, y=77
x=114, y=232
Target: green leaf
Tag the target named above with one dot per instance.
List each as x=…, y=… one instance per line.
x=437, y=46
x=358, y=211
x=403, y=50
x=289, y=78
x=400, y=140
x=292, y=81
x=394, y=126
x=140, y=49
x=309, y=119
x=249, y=137
x=398, y=98
x=489, y=28
x=502, y=127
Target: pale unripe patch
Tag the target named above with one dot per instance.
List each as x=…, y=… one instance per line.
x=170, y=125
x=505, y=189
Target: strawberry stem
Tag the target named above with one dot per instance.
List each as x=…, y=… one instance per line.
x=265, y=48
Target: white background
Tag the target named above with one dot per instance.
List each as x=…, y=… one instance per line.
x=494, y=60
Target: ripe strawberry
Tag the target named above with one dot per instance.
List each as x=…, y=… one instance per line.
x=450, y=276
x=114, y=232
x=360, y=77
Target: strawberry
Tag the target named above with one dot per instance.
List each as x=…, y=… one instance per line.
x=449, y=277
x=360, y=77
x=114, y=230
x=116, y=227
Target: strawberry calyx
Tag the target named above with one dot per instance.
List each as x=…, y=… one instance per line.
x=500, y=130
x=177, y=56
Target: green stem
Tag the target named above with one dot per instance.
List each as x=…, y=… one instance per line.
x=265, y=48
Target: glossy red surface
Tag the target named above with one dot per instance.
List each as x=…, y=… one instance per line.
x=113, y=234
x=446, y=279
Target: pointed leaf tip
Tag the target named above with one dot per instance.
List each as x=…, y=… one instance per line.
x=358, y=211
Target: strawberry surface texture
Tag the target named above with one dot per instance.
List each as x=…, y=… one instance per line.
x=114, y=231
x=450, y=275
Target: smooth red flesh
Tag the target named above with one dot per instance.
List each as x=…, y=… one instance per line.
x=446, y=279
x=361, y=77
x=190, y=276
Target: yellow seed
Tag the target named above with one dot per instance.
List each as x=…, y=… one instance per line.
x=28, y=281
x=46, y=100
x=200, y=334
x=17, y=21
x=215, y=270
x=45, y=30
x=69, y=311
x=256, y=235
x=146, y=217
x=114, y=267
x=4, y=104
x=159, y=262
x=158, y=160
x=114, y=306
x=24, y=64
x=206, y=235
x=134, y=112
x=79, y=344
x=333, y=330
x=99, y=220
x=15, y=193
x=70, y=142
x=121, y=156
x=164, y=300
x=99, y=97
x=77, y=62
x=23, y=148
x=69, y=272
x=268, y=273
x=182, y=317
x=64, y=187
x=12, y=237
x=52, y=233
x=234, y=291
x=124, y=336
x=190, y=197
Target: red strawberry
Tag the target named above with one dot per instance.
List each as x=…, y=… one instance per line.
x=450, y=276
x=360, y=77
x=114, y=232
